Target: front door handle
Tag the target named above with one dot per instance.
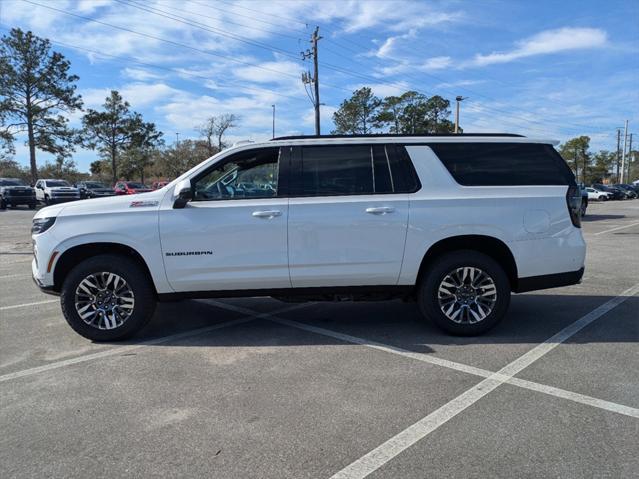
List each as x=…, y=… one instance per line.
x=267, y=214
x=380, y=210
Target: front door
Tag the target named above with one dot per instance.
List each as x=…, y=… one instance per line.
x=347, y=217
x=232, y=235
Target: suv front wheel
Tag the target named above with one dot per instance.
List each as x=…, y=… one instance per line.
x=465, y=293
x=107, y=298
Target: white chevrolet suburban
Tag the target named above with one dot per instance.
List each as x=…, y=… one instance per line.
x=456, y=223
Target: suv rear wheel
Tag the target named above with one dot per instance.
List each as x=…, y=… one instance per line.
x=464, y=292
x=107, y=298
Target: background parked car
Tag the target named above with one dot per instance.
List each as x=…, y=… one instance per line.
x=159, y=184
x=93, y=189
x=597, y=195
x=55, y=191
x=15, y=192
x=615, y=194
x=584, y=199
x=630, y=191
x=130, y=188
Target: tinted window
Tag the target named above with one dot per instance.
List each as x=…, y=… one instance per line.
x=337, y=170
x=354, y=170
x=57, y=183
x=12, y=182
x=252, y=174
x=499, y=164
x=404, y=175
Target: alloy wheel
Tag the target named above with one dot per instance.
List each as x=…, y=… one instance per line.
x=467, y=295
x=104, y=300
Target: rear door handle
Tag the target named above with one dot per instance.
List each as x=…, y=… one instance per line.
x=267, y=214
x=380, y=210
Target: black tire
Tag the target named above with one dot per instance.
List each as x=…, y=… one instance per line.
x=428, y=300
x=47, y=202
x=3, y=204
x=138, y=281
x=32, y=206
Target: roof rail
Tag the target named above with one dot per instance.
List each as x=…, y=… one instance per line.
x=392, y=135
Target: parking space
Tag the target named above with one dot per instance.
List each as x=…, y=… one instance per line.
x=260, y=388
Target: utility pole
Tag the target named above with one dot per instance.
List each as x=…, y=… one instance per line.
x=273, y=121
x=629, y=157
x=623, y=156
x=177, y=139
x=458, y=99
x=618, y=150
x=314, y=79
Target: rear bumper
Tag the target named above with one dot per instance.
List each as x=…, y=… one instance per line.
x=546, y=281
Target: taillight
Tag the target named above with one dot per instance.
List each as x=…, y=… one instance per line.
x=573, y=199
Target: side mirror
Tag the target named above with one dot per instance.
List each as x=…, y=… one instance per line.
x=183, y=193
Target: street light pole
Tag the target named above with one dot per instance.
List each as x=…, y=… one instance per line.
x=459, y=99
x=273, y=121
x=623, y=155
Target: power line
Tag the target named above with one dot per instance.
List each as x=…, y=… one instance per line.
x=261, y=45
x=369, y=78
x=178, y=71
x=203, y=26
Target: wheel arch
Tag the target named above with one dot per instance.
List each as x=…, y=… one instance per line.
x=488, y=245
x=76, y=254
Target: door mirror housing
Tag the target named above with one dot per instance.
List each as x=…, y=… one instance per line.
x=183, y=194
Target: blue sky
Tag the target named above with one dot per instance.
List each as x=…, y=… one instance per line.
x=545, y=68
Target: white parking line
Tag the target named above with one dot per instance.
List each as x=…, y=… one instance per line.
x=382, y=454
x=615, y=229
x=122, y=349
x=464, y=368
x=24, y=305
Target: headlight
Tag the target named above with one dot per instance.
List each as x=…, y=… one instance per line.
x=40, y=225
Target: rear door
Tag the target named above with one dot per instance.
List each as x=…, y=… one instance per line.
x=348, y=215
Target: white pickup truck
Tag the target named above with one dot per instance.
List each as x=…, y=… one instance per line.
x=51, y=192
x=455, y=223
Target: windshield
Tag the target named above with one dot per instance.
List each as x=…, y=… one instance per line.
x=57, y=183
x=135, y=185
x=94, y=184
x=12, y=182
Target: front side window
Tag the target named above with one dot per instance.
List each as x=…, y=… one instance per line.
x=247, y=175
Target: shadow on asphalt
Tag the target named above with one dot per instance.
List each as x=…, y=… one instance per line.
x=532, y=318
x=590, y=218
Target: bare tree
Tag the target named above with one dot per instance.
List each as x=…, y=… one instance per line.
x=214, y=129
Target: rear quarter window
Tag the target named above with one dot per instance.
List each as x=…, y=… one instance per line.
x=504, y=164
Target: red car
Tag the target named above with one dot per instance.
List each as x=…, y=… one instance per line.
x=130, y=188
x=159, y=184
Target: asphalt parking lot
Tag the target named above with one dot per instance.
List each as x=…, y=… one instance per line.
x=260, y=388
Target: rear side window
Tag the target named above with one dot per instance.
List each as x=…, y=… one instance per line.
x=503, y=164
x=329, y=170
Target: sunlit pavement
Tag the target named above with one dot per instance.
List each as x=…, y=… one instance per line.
x=260, y=388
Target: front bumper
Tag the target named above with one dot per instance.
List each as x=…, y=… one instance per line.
x=54, y=200
x=19, y=200
x=45, y=289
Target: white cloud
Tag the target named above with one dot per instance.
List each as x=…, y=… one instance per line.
x=139, y=74
x=435, y=63
x=546, y=42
